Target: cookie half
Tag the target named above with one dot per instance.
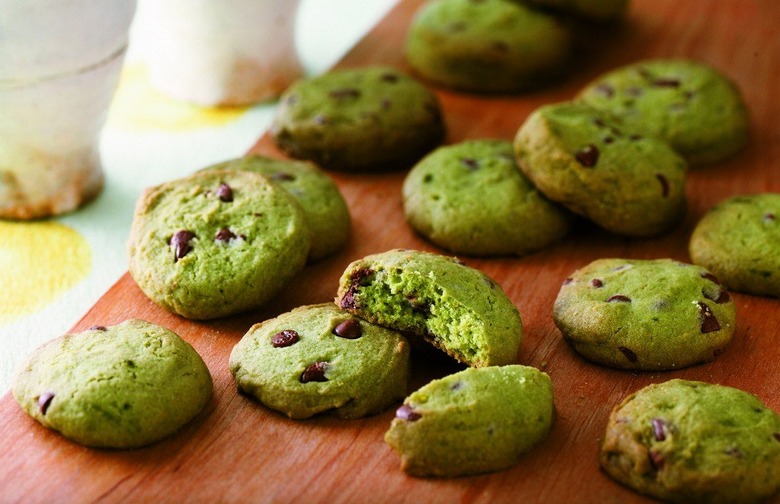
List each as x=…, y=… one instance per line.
x=645, y=314
x=739, y=241
x=694, y=442
x=687, y=103
x=123, y=386
x=474, y=421
x=591, y=163
x=458, y=309
x=326, y=211
x=471, y=198
x=361, y=119
x=319, y=358
x=487, y=46
x=216, y=243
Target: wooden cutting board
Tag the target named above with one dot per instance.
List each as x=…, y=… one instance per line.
x=238, y=451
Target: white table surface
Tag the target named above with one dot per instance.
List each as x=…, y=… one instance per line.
x=57, y=269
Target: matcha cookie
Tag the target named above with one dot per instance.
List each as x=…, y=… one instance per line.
x=694, y=442
x=123, y=386
x=739, y=241
x=323, y=205
x=698, y=111
x=487, y=46
x=589, y=162
x=593, y=10
x=216, y=243
x=458, y=309
x=471, y=198
x=319, y=358
x=363, y=119
x=645, y=314
x=475, y=421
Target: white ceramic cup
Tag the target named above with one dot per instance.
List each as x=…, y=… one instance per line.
x=220, y=52
x=60, y=61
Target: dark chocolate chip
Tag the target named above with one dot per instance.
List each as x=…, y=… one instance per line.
x=596, y=283
x=664, y=184
x=44, y=401
x=666, y=82
x=708, y=321
x=405, y=412
x=345, y=93
x=631, y=356
x=225, y=193
x=456, y=386
x=721, y=297
x=98, y=328
x=567, y=281
x=734, y=452
x=180, y=243
x=349, y=329
x=770, y=217
x=470, y=163
x=588, y=156
x=606, y=89
x=282, y=176
x=224, y=235
x=389, y=77
x=656, y=460
x=358, y=279
x=285, y=338
x=776, y=435
x=314, y=373
x=619, y=297
x=712, y=278
x=659, y=429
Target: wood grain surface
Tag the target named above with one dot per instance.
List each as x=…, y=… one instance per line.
x=238, y=451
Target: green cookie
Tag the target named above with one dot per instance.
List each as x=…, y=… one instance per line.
x=319, y=358
x=216, y=243
x=475, y=421
x=645, y=314
x=592, y=164
x=739, y=241
x=458, y=309
x=472, y=199
x=326, y=211
x=694, y=443
x=487, y=46
x=686, y=103
x=362, y=119
x=123, y=386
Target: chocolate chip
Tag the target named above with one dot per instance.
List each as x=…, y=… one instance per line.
x=656, y=460
x=596, y=283
x=631, y=356
x=349, y=329
x=619, y=297
x=180, y=243
x=664, y=184
x=285, y=338
x=470, y=163
x=666, y=82
x=98, y=328
x=588, y=156
x=567, y=281
x=389, y=77
x=225, y=193
x=708, y=321
x=314, y=373
x=770, y=217
x=606, y=90
x=659, y=429
x=345, y=93
x=734, y=452
x=718, y=352
x=282, y=176
x=44, y=401
x=709, y=276
x=224, y=235
x=721, y=297
x=405, y=412
x=456, y=386
x=776, y=435
x=358, y=279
